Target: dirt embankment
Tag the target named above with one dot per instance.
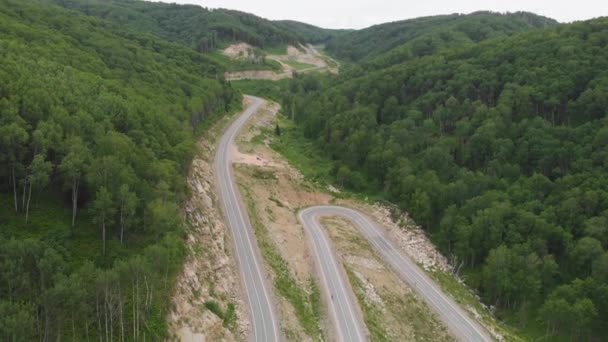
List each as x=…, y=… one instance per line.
x=238, y=51
x=209, y=274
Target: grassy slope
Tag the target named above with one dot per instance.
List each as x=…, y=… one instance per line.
x=309, y=32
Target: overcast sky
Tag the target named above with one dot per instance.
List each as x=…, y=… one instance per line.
x=362, y=13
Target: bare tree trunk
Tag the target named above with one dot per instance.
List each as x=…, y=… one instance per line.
x=133, y=305
x=110, y=306
x=24, y=191
x=103, y=233
x=14, y=187
x=74, y=201
x=86, y=325
x=38, y=324
x=105, y=308
x=46, y=325
x=27, y=207
x=122, y=222
x=147, y=295
x=73, y=328
x=98, y=317
x=121, y=313
x=137, y=303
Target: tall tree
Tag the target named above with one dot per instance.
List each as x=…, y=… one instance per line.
x=38, y=177
x=104, y=211
x=73, y=166
x=14, y=138
x=128, y=205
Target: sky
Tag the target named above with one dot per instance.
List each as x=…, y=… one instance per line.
x=358, y=14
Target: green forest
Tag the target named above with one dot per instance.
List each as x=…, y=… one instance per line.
x=498, y=149
x=490, y=130
x=97, y=130
x=202, y=29
x=427, y=35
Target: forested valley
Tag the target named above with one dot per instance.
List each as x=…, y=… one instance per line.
x=499, y=149
x=490, y=130
x=97, y=130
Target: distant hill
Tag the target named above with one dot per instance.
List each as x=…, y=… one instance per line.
x=427, y=35
x=198, y=27
x=310, y=33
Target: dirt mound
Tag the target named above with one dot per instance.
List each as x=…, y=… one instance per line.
x=238, y=51
x=306, y=54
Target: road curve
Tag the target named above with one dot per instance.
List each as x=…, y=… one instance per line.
x=342, y=305
x=457, y=320
x=258, y=291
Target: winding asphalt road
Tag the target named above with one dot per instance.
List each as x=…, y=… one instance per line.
x=341, y=306
x=258, y=291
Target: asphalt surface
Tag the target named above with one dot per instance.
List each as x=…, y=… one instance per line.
x=342, y=307
x=258, y=290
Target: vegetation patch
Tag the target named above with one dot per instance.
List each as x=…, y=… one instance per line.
x=228, y=316
x=268, y=89
x=305, y=302
x=463, y=296
x=299, y=66
x=373, y=315
x=302, y=153
x=276, y=50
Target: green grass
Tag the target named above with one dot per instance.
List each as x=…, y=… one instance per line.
x=228, y=316
x=461, y=294
x=299, y=66
x=263, y=88
x=306, y=304
x=276, y=50
x=302, y=153
x=51, y=221
x=372, y=315
x=305, y=156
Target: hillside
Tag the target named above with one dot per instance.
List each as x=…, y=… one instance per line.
x=499, y=150
x=198, y=27
x=97, y=130
x=310, y=33
x=490, y=131
x=428, y=35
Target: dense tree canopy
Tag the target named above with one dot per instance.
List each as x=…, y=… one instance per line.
x=200, y=28
x=310, y=33
x=499, y=149
x=99, y=124
x=428, y=35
